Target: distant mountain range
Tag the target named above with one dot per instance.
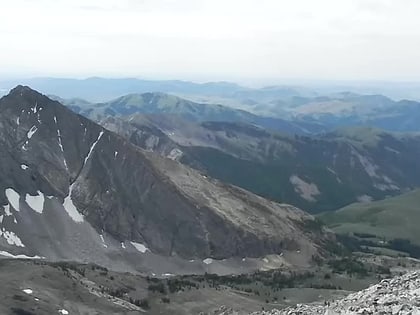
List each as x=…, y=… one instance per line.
x=161, y=103
x=314, y=107
x=72, y=190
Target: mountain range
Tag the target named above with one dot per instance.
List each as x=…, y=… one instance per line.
x=317, y=173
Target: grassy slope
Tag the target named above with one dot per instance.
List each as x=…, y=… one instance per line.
x=396, y=217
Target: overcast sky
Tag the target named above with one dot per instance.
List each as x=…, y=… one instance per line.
x=212, y=39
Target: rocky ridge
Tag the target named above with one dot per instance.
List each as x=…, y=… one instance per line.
x=399, y=295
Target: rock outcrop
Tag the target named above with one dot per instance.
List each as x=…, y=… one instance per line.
x=400, y=295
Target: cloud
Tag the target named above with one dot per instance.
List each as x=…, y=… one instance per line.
x=329, y=39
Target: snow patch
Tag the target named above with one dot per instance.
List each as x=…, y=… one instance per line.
x=115, y=154
x=25, y=146
x=13, y=198
x=31, y=132
x=123, y=245
x=167, y=275
x=63, y=312
x=24, y=166
x=140, y=247
x=28, y=291
x=7, y=254
x=18, y=121
x=11, y=238
x=208, y=261
x=34, y=109
x=36, y=202
x=71, y=208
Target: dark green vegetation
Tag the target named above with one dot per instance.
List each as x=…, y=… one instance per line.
x=317, y=173
x=333, y=170
x=391, y=223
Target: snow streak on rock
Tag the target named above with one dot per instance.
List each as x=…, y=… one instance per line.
x=60, y=144
x=93, y=147
x=68, y=202
x=7, y=254
x=31, y=132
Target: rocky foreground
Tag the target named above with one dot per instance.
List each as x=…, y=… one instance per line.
x=399, y=295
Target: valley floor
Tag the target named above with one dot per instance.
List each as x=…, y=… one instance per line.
x=36, y=287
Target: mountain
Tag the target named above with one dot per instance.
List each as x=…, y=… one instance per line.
x=72, y=190
x=349, y=109
x=316, y=173
x=161, y=103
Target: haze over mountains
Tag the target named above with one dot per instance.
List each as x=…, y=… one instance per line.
x=311, y=108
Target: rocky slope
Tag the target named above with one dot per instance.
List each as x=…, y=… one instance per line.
x=73, y=190
x=400, y=295
x=316, y=173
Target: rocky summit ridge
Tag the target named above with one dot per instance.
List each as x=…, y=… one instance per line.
x=399, y=295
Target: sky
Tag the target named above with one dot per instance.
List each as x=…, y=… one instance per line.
x=234, y=40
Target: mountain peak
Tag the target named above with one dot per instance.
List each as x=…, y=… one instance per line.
x=23, y=98
x=21, y=90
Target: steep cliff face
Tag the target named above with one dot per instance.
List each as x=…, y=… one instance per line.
x=67, y=182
